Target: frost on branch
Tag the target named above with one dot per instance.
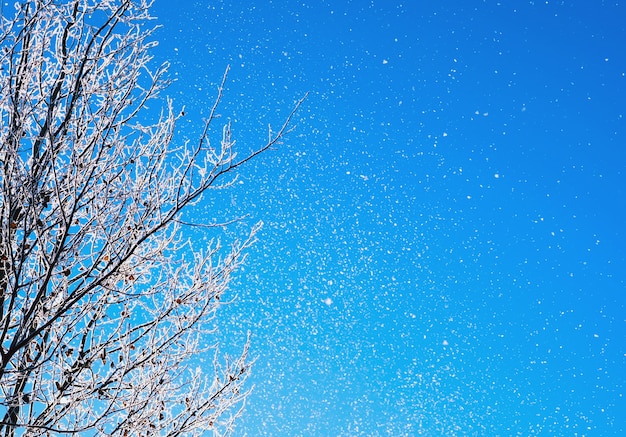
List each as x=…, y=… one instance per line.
x=103, y=323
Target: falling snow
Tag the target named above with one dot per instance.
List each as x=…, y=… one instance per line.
x=442, y=251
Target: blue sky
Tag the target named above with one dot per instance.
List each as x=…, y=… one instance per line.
x=443, y=249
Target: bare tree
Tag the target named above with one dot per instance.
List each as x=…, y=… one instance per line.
x=105, y=310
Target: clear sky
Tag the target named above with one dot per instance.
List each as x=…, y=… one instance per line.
x=443, y=248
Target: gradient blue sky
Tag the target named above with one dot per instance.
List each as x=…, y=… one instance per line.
x=443, y=249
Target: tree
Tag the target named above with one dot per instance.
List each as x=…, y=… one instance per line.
x=105, y=310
